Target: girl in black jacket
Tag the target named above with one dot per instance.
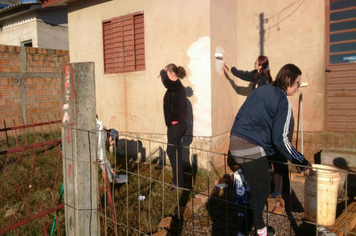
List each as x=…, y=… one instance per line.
x=175, y=115
x=259, y=76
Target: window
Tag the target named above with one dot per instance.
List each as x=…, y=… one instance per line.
x=340, y=79
x=342, y=31
x=124, y=47
x=27, y=43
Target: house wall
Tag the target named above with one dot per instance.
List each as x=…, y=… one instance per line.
x=132, y=102
x=52, y=36
x=174, y=32
x=293, y=33
x=46, y=29
x=224, y=102
x=14, y=34
x=189, y=33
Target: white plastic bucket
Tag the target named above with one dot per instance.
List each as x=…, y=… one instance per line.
x=320, y=195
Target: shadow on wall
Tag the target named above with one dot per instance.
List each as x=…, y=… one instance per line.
x=347, y=181
x=188, y=137
x=244, y=91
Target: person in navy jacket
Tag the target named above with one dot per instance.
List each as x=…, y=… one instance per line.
x=261, y=129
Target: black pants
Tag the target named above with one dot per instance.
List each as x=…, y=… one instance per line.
x=254, y=164
x=257, y=176
x=174, y=151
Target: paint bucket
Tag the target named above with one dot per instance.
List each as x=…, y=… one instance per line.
x=320, y=195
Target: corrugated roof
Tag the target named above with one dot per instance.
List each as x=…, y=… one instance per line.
x=17, y=9
x=19, y=5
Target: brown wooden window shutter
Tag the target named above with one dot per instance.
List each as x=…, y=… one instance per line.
x=124, y=48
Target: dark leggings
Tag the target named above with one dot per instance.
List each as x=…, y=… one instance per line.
x=281, y=173
x=257, y=177
x=175, y=134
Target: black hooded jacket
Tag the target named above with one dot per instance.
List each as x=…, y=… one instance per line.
x=175, y=100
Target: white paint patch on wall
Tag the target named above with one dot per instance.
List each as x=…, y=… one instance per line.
x=200, y=79
x=219, y=63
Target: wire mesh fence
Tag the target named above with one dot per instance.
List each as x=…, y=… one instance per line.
x=31, y=179
x=140, y=198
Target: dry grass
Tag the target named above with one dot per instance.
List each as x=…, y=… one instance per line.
x=136, y=217
x=30, y=184
x=31, y=181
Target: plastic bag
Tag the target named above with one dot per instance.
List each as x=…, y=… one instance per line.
x=241, y=188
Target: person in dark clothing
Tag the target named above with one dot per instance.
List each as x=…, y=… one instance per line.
x=175, y=115
x=259, y=76
x=260, y=129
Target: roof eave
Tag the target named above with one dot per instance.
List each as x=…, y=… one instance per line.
x=55, y=3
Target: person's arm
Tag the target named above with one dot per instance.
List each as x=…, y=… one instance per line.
x=169, y=84
x=244, y=75
x=280, y=132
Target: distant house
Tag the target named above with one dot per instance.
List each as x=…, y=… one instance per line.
x=28, y=24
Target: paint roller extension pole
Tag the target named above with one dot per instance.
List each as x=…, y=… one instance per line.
x=305, y=84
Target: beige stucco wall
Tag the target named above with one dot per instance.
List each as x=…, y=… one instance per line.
x=175, y=31
x=189, y=33
x=294, y=33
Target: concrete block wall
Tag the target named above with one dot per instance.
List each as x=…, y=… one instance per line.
x=315, y=142
x=30, y=89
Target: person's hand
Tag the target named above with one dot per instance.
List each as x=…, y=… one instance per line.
x=159, y=75
x=308, y=170
x=226, y=67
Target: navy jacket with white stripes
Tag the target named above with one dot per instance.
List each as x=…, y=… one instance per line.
x=264, y=120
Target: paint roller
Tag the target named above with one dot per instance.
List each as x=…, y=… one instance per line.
x=219, y=56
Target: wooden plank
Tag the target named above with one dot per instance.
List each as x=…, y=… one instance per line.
x=337, y=126
x=342, y=118
x=340, y=112
x=341, y=100
x=342, y=106
x=340, y=224
x=350, y=91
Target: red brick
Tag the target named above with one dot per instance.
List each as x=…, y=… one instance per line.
x=15, y=69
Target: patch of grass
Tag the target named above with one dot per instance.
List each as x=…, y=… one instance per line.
x=136, y=217
x=30, y=184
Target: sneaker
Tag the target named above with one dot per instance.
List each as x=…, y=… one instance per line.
x=268, y=231
x=322, y=231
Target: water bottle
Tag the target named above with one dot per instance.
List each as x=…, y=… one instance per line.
x=241, y=188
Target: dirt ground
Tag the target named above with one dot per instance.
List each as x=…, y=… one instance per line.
x=224, y=219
